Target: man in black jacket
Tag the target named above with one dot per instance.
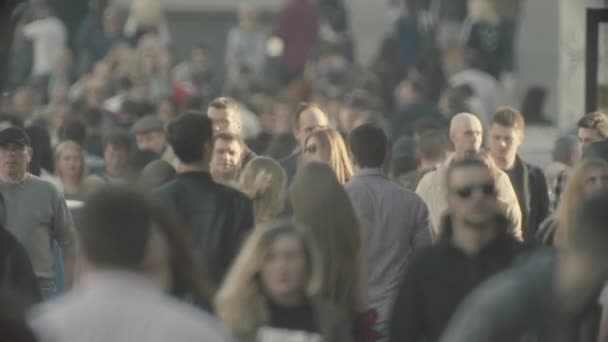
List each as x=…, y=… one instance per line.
x=474, y=245
x=552, y=295
x=506, y=135
x=218, y=216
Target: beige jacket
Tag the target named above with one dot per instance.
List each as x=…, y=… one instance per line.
x=432, y=189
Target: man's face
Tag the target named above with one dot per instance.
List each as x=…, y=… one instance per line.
x=587, y=136
x=504, y=142
x=467, y=137
x=14, y=159
x=472, y=196
x=310, y=120
x=226, y=158
x=224, y=121
x=116, y=158
x=152, y=141
x=348, y=118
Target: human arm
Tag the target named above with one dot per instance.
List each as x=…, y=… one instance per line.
x=63, y=233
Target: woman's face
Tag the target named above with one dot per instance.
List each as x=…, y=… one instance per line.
x=596, y=180
x=284, y=273
x=315, y=151
x=70, y=163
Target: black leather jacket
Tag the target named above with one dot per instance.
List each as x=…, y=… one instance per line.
x=219, y=218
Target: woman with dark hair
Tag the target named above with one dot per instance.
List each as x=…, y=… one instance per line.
x=171, y=262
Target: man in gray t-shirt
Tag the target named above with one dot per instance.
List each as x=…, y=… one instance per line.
x=35, y=211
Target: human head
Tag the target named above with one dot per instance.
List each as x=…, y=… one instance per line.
x=69, y=161
x=247, y=16
x=190, y=137
x=117, y=153
x=309, y=117
x=597, y=150
x=432, y=147
x=265, y=182
x=15, y=153
x=472, y=199
x=466, y=133
x=403, y=156
x=165, y=110
x=225, y=114
x=565, y=150
x=591, y=128
x=149, y=134
x=227, y=156
x=586, y=178
x=369, y=145
x=320, y=202
x=278, y=260
x=327, y=146
x=114, y=229
x=23, y=102
x=506, y=135
x=355, y=105
x=409, y=92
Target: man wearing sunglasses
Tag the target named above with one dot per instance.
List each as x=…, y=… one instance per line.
x=474, y=245
x=466, y=134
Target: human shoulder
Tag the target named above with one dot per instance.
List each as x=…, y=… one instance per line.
x=40, y=184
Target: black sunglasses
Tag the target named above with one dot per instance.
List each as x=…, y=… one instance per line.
x=487, y=189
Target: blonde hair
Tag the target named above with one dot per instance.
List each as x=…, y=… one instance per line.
x=571, y=197
x=339, y=159
x=321, y=204
x=265, y=182
x=62, y=147
x=241, y=303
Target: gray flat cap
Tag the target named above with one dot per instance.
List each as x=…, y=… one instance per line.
x=149, y=123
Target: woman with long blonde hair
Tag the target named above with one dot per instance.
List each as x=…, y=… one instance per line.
x=265, y=182
x=70, y=169
x=320, y=202
x=271, y=291
x=586, y=178
x=327, y=146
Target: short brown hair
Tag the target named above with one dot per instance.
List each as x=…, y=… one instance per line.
x=225, y=136
x=432, y=145
x=597, y=121
x=509, y=117
x=225, y=103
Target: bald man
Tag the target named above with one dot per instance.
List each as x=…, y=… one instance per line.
x=466, y=133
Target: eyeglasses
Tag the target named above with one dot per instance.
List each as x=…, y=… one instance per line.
x=487, y=189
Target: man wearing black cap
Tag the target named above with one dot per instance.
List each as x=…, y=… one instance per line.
x=36, y=212
x=149, y=133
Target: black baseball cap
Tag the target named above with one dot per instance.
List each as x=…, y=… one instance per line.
x=14, y=135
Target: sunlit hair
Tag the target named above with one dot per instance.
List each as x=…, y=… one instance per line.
x=320, y=202
x=241, y=303
x=572, y=196
x=265, y=182
x=147, y=12
x=63, y=147
x=339, y=159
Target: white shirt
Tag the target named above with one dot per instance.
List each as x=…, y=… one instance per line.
x=49, y=38
x=121, y=307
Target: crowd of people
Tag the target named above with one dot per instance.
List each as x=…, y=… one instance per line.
x=296, y=196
